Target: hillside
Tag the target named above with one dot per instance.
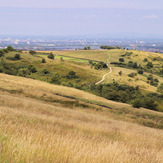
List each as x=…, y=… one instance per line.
x=42, y=122
x=129, y=81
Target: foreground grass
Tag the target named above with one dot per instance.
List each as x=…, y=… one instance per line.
x=35, y=131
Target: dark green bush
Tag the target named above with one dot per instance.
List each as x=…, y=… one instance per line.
x=43, y=60
x=51, y=56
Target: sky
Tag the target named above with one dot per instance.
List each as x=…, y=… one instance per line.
x=79, y=17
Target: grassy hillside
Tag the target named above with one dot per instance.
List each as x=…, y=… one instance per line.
x=113, y=56
x=42, y=122
x=74, y=69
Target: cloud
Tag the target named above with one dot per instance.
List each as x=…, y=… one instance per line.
x=150, y=17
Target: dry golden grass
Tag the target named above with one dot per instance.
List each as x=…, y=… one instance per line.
x=33, y=131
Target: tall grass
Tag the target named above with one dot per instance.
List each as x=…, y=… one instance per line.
x=34, y=131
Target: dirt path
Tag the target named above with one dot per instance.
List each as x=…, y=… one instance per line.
x=103, y=78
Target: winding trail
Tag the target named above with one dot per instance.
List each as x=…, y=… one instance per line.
x=103, y=78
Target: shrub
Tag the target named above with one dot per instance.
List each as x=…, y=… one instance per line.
x=51, y=56
x=121, y=59
x=55, y=79
x=10, y=48
x=145, y=60
x=120, y=73
x=71, y=75
x=32, y=69
x=149, y=65
x=61, y=59
x=160, y=88
x=43, y=60
x=137, y=103
x=150, y=77
x=132, y=74
x=17, y=56
x=156, y=80
x=145, y=102
x=23, y=72
x=140, y=72
x=32, y=52
x=1, y=53
x=45, y=71
x=87, y=48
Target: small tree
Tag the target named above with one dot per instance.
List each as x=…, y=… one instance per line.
x=10, y=48
x=1, y=53
x=43, y=60
x=17, y=56
x=145, y=60
x=32, y=52
x=149, y=65
x=121, y=59
x=137, y=103
x=61, y=59
x=51, y=56
x=32, y=68
x=140, y=72
x=120, y=73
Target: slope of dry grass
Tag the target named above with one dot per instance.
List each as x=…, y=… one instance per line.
x=35, y=131
x=37, y=126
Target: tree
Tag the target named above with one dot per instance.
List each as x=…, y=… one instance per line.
x=107, y=47
x=10, y=48
x=61, y=59
x=43, y=60
x=51, y=56
x=17, y=56
x=32, y=68
x=32, y=52
x=121, y=59
x=71, y=75
x=149, y=65
x=140, y=72
x=120, y=73
x=137, y=103
x=87, y=48
x=160, y=88
x=145, y=60
x=1, y=53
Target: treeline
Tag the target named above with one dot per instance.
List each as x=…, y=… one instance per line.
x=109, y=47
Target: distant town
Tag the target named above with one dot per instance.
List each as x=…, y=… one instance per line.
x=59, y=43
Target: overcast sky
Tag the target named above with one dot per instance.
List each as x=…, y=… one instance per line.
x=71, y=17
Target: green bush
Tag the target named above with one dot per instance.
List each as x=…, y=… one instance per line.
x=132, y=74
x=43, y=60
x=149, y=65
x=32, y=68
x=140, y=72
x=51, y=56
x=17, y=57
x=32, y=52
x=23, y=72
x=121, y=60
x=45, y=71
x=160, y=88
